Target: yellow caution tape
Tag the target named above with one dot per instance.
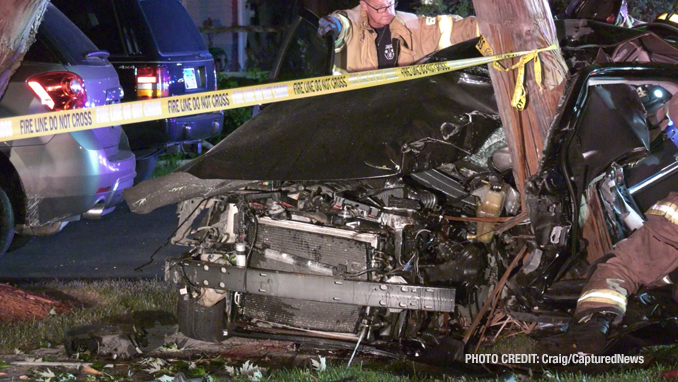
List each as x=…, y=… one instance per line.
x=519, y=99
x=68, y=121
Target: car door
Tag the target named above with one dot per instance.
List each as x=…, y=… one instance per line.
x=303, y=54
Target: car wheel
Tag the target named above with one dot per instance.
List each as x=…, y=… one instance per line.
x=199, y=322
x=6, y=222
x=145, y=167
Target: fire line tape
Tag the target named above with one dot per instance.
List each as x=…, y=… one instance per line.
x=68, y=121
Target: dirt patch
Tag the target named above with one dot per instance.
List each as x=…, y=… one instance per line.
x=18, y=305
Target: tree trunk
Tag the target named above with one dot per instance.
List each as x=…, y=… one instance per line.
x=520, y=25
x=19, y=23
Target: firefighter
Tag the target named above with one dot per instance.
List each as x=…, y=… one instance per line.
x=649, y=257
x=376, y=36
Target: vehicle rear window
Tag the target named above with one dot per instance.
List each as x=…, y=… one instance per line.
x=38, y=52
x=97, y=20
x=72, y=44
x=172, y=27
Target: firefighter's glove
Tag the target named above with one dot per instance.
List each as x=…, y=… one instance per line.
x=329, y=25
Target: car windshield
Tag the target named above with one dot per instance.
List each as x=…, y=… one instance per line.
x=167, y=17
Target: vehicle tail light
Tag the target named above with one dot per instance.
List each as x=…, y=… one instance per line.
x=59, y=90
x=152, y=82
x=216, y=79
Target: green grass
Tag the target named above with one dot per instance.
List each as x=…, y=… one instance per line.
x=121, y=301
x=109, y=301
x=169, y=162
x=635, y=375
x=341, y=373
x=368, y=374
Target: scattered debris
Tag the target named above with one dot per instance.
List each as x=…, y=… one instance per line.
x=17, y=305
x=670, y=374
x=51, y=364
x=109, y=340
x=513, y=326
x=90, y=370
x=179, y=377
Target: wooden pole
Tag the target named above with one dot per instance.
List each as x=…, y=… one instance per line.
x=20, y=21
x=521, y=25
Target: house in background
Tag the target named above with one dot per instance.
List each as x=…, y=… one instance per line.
x=248, y=30
x=213, y=13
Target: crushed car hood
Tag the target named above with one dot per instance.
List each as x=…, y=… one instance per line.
x=375, y=132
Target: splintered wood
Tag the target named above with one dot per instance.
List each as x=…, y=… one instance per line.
x=594, y=231
x=509, y=326
x=18, y=305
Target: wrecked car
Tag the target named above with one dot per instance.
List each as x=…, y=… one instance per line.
x=390, y=214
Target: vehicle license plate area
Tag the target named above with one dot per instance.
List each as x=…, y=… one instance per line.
x=190, y=81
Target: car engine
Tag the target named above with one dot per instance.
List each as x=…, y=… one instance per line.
x=434, y=228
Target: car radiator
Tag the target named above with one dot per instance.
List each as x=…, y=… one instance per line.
x=301, y=248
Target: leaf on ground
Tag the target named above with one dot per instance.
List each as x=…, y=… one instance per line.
x=153, y=365
x=256, y=376
x=65, y=377
x=90, y=370
x=196, y=373
x=166, y=378
x=249, y=370
x=173, y=347
x=45, y=376
x=320, y=365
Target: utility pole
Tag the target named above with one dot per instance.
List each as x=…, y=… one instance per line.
x=522, y=25
x=20, y=21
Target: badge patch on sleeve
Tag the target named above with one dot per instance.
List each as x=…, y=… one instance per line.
x=430, y=21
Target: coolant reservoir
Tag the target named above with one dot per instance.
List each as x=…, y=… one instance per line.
x=490, y=207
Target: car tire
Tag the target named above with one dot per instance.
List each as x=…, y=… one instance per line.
x=199, y=322
x=6, y=222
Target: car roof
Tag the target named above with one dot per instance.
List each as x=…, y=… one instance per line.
x=65, y=40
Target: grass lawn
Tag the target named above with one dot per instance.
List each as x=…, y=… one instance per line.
x=123, y=301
